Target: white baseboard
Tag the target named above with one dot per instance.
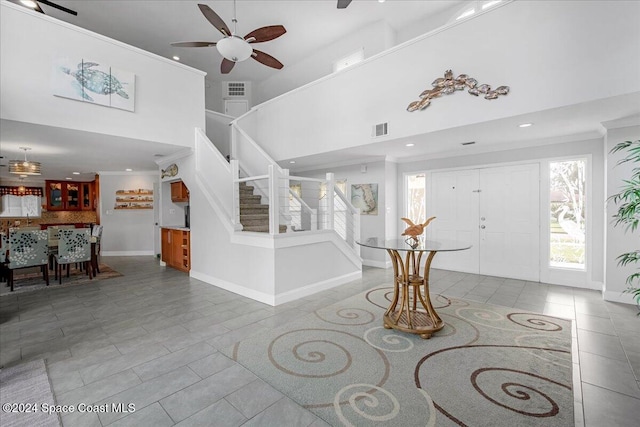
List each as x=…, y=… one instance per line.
x=316, y=287
x=378, y=264
x=235, y=288
x=282, y=298
x=617, y=296
x=127, y=253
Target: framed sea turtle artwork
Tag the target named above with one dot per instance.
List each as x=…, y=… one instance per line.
x=90, y=81
x=124, y=97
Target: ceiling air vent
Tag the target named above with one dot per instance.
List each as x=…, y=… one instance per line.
x=381, y=129
x=235, y=89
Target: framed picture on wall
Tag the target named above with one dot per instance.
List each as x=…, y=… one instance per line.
x=365, y=197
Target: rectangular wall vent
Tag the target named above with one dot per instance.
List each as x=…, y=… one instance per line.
x=381, y=129
x=235, y=89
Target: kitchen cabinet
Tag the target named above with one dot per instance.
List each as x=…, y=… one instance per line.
x=179, y=192
x=88, y=197
x=176, y=247
x=69, y=196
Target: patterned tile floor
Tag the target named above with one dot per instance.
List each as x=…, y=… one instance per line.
x=151, y=337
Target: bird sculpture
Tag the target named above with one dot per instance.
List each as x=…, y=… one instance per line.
x=414, y=230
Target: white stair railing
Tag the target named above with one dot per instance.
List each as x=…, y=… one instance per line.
x=319, y=206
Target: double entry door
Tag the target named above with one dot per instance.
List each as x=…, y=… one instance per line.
x=496, y=210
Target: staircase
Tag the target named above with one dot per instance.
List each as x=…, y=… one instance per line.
x=254, y=216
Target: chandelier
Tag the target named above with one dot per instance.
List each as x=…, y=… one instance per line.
x=24, y=167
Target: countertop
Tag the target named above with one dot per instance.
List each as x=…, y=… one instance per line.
x=176, y=227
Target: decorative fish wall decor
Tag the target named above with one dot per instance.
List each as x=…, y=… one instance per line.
x=449, y=85
x=172, y=170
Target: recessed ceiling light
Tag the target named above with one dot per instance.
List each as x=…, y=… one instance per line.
x=380, y=1
x=68, y=178
x=29, y=3
x=177, y=58
x=490, y=3
x=76, y=173
x=466, y=13
x=292, y=161
x=128, y=169
x=525, y=125
x=409, y=145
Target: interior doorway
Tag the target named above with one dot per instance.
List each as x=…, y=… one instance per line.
x=235, y=107
x=495, y=209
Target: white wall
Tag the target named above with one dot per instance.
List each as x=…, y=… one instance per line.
x=126, y=232
x=547, y=52
x=617, y=240
x=219, y=131
x=392, y=201
x=373, y=38
x=169, y=101
x=430, y=23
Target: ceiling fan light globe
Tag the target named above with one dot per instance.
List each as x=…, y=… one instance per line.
x=234, y=48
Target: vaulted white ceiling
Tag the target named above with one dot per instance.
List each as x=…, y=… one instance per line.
x=311, y=25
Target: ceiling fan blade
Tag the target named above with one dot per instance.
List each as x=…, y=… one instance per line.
x=226, y=66
x=215, y=20
x=57, y=6
x=265, y=34
x=266, y=59
x=342, y=4
x=193, y=44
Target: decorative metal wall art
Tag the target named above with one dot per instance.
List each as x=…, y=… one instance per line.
x=448, y=85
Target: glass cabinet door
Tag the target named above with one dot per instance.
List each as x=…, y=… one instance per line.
x=54, y=195
x=87, y=196
x=73, y=196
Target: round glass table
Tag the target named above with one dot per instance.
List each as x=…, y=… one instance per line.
x=411, y=282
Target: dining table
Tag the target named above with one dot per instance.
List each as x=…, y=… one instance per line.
x=410, y=309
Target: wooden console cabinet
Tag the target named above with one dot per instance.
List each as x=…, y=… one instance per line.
x=176, y=246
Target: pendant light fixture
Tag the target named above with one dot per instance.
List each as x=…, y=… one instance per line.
x=24, y=167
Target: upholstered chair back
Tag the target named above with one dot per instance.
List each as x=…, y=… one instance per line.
x=27, y=248
x=4, y=246
x=74, y=245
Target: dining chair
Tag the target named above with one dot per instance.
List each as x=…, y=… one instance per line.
x=96, y=233
x=4, y=247
x=27, y=248
x=74, y=246
x=53, y=234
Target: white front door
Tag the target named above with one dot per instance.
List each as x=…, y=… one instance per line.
x=454, y=203
x=509, y=222
x=494, y=209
